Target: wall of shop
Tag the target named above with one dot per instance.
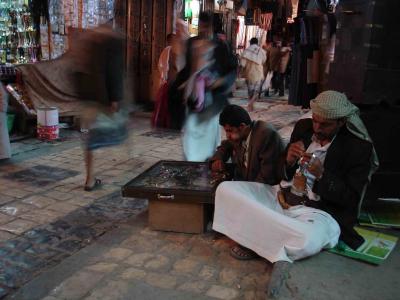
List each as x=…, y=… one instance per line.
x=148, y=23
x=367, y=39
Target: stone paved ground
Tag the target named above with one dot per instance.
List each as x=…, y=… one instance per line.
x=45, y=216
x=139, y=261
x=59, y=242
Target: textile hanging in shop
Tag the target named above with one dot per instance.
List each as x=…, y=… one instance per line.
x=266, y=21
x=254, y=31
x=76, y=14
x=257, y=16
x=253, y=16
x=87, y=13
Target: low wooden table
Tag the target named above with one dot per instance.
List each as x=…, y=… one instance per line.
x=181, y=195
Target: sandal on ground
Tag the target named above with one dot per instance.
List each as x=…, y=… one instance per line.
x=96, y=185
x=242, y=253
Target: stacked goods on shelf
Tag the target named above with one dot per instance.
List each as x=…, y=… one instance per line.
x=17, y=34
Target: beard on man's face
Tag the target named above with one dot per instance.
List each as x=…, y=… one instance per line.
x=321, y=136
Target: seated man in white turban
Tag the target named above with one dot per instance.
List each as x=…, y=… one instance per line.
x=336, y=156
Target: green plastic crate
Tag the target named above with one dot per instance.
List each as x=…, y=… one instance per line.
x=10, y=121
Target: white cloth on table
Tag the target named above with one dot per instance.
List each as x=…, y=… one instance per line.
x=249, y=213
x=5, y=147
x=200, y=137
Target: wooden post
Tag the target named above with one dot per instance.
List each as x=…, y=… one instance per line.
x=50, y=38
x=80, y=9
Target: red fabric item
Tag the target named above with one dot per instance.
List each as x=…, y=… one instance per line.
x=161, y=117
x=266, y=21
x=236, y=26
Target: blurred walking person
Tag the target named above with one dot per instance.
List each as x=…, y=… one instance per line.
x=252, y=61
x=171, y=62
x=98, y=53
x=161, y=117
x=201, y=90
x=285, y=52
x=271, y=67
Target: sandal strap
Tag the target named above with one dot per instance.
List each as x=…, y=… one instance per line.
x=243, y=253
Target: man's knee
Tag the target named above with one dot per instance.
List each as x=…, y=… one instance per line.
x=222, y=189
x=319, y=236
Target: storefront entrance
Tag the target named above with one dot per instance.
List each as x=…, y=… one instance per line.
x=148, y=23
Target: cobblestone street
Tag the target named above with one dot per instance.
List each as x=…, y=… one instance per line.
x=59, y=242
x=45, y=216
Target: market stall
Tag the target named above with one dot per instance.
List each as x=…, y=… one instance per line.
x=37, y=68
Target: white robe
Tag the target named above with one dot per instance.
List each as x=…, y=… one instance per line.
x=200, y=138
x=250, y=214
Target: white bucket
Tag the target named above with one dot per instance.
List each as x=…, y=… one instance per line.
x=47, y=123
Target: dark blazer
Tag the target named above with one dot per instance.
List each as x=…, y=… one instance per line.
x=346, y=169
x=265, y=150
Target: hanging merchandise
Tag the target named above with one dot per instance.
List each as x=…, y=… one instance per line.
x=64, y=14
x=266, y=21
x=86, y=13
x=241, y=35
x=257, y=16
x=18, y=43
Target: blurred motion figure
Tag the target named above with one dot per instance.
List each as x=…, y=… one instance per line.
x=99, y=80
x=201, y=89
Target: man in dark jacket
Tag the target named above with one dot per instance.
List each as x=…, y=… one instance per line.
x=253, y=146
x=335, y=181
x=335, y=155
